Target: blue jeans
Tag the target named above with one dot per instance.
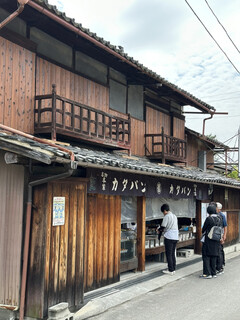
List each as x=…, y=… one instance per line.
x=170, y=248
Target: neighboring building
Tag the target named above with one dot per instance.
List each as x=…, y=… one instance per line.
x=90, y=141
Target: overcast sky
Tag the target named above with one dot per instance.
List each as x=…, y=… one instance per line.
x=166, y=37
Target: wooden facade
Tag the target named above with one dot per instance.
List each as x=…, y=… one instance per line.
x=102, y=241
x=17, y=90
x=56, y=262
x=230, y=200
x=84, y=253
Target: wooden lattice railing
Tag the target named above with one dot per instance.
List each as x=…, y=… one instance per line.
x=58, y=115
x=165, y=147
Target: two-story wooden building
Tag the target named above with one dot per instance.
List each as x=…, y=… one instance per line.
x=90, y=141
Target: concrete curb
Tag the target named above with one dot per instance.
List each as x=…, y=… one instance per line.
x=103, y=303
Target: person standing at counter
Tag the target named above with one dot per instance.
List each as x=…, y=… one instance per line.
x=170, y=228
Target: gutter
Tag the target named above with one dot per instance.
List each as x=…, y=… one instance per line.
x=14, y=14
x=104, y=47
x=29, y=136
x=27, y=234
x=204, y=120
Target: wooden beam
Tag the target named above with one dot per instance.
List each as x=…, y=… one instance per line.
x=141, y=231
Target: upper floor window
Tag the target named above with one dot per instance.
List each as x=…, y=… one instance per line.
x=51, y=47
x=135, y=101
x=118, y=91
x=90, y=67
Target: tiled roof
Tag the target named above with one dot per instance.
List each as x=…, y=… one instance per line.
x=206, y=138
x=120, y=51
x=109, y=161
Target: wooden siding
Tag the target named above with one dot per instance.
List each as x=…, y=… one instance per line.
x=195, y=145
x=231, y=204
x=11, y=213
x=137, y=137
x=192, y=151
x=57, y=252
x=102, y=241
x=70, y=85
x=178, y=128
x=155, y=120
x=17, y=86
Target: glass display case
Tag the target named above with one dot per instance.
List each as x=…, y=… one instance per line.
x=128, y=245
x=129, y=259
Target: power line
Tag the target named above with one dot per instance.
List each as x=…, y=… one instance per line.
x=219, y=94
x=222, y=26
x=213, y=38
x=224, y=99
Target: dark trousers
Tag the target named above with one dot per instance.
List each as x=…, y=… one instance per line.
x=170, y=248
x=220, y=258
x=209, y=262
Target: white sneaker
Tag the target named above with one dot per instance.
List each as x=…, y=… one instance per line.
x=171, y=273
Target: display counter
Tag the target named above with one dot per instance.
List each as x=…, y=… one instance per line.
x=155, y=246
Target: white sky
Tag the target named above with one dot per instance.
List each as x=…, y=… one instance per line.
x=166, y=37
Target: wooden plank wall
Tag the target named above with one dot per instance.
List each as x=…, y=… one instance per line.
x=178, y=128
x=71, y=86
x=192, y=151
x=193, y=146
x=17, y=86
x=102, y=241
x=11, y=215
x=57, y=252
x=155, y=120
x=137, y=137
x=232, y=206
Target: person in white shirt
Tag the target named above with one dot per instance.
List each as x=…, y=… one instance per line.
x=171, y=235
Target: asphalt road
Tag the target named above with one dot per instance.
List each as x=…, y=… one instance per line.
x=189, y=298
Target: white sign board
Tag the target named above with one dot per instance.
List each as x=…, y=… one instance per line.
x=58, y=211
x=204, y=213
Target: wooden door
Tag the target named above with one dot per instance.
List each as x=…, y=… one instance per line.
x=102, y=241
x=56, y=266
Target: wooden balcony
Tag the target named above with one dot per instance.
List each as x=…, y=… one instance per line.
x=55, y=115
x=165, y=148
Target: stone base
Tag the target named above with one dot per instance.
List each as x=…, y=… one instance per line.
x=60, y=312
x=6, y=314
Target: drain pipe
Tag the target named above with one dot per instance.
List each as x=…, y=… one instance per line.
x=203, y=132
x=27, y=234
x=14, y=14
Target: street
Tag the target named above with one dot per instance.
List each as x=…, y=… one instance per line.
x=186, y=299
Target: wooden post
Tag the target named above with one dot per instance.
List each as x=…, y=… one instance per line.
x=163, y=154
x=141, y=230
x=54, y=135
x=198, y=244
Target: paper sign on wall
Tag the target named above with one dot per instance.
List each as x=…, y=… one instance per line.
x=58, y=211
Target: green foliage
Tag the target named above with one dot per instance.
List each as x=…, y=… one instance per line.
x=211, y=136
x=234, y=174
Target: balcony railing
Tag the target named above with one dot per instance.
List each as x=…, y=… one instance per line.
x=166, y=148
x=56, y=115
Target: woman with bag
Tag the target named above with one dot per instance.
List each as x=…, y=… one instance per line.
x=210, y=248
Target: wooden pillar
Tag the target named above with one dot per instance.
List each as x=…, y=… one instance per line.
x=198, y=244
x=141, y=231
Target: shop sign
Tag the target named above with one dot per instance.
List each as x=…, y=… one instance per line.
x=122, y=183
x=58, y=211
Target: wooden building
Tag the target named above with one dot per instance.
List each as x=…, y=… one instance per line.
x=90, y=141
